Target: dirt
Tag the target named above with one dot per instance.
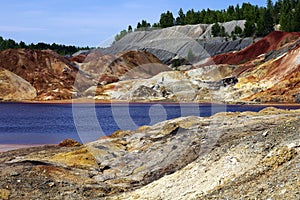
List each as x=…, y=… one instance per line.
x=273, y=41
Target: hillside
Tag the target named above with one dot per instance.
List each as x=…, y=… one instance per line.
x=174, y=64
x=180, y=40
x=266, y=71
x=14, y=87
x=50, y=74
x=45, y=75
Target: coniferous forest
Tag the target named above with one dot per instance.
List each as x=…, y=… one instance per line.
x=259, y=20
x=59, y=48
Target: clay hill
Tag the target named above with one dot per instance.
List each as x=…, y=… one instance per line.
x=180, y=63
x=49, y=74
x=266, y=71
x=179, y=41
x=45, y=75
x=244, y=155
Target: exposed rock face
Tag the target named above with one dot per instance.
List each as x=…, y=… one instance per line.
x=53, y=77
x=233, y=155
x=182, y=41
x=267, y=71
x=13, y=87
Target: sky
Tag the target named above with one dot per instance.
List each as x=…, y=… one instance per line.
x=88, y=22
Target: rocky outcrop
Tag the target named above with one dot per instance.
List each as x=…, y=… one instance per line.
x=228, y=155
x=13, y=87
x=266, y=71
x=192, y=42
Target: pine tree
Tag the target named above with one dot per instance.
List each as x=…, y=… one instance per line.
x=166, y=19
x=216, y=30
x=129, y=29
x=237, y=31
x=270, y=5
x=276, y=11
x=265, y=24
x=181, y=17
x=286, y=16
x=297, y=17
x=190, y=17
x=250, y=28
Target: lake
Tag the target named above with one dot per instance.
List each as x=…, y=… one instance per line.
x=27, y=123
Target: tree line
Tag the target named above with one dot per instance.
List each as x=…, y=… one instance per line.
x=259, y=20
x=59, y=48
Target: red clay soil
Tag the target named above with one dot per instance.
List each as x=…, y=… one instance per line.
x=79, y=58
x=133, y=64
x=272, y=41
x=285, y=73
x=50, y=73
x=285, y=66
x=84, y=58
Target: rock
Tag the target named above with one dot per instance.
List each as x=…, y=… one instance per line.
x=145, y=93
x=69, y=143
x=273, y=41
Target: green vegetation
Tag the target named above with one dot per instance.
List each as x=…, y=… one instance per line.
x=237, y=32
x=217, y=30
x=61, y=49
x=260, y=20
x=166, y=20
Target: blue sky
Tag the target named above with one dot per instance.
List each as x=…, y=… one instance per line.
x=87, y=22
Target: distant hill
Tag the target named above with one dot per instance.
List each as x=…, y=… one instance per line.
x=58, y=48
x=189, y=42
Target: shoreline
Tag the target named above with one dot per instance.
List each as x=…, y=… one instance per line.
x=99, y=102
x=11, y=147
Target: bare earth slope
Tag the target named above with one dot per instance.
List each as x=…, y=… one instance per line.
x=271, y=42
x=235, y=155
x=13, y=87
x=57, y=78
x=49, y=73
x=267, y=71
x=264, y=72
x=180, y=40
